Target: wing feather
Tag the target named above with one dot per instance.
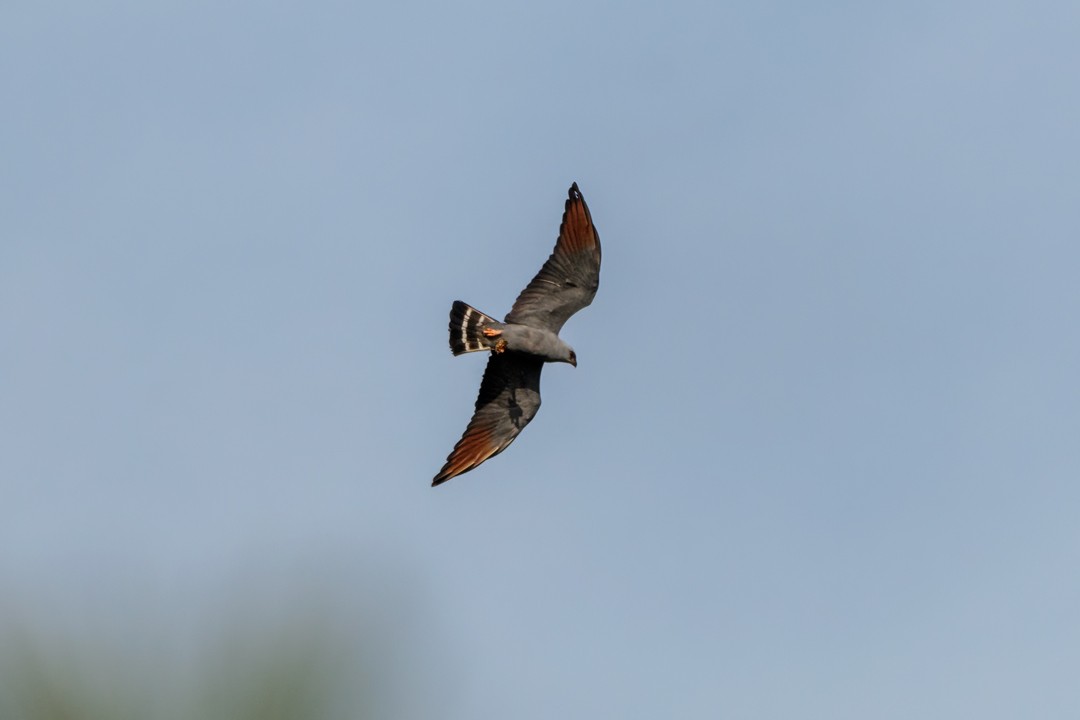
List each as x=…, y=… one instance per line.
x=569, y=279
x=509, y=398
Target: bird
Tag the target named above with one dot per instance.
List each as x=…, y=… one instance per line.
x=526, y=339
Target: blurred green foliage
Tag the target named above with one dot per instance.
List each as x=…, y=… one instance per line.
x=290, y=673
x=258, y=657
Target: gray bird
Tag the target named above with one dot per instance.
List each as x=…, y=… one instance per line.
x=524, y=341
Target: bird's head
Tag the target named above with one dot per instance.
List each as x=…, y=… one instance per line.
x=572, y=358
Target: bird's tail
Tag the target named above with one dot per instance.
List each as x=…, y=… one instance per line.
x=471, y=330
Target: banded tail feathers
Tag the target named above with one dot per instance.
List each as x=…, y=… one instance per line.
x=467, y=325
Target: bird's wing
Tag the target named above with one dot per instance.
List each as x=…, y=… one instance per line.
x=570, y=277
x=509, y=398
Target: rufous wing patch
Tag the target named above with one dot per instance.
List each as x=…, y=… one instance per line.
x=576, y=232
x=476, y=445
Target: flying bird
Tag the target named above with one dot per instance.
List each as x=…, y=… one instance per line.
x=526, y=339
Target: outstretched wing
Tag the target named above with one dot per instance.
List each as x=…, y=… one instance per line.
x=509, y=398
x=570, y=277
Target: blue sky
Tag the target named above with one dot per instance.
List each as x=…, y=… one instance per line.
x=820, y=455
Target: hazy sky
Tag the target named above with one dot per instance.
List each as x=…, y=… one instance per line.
x=820, y=457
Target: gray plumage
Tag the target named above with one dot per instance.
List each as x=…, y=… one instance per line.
x=526, y=339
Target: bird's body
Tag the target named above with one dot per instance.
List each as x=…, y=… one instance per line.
x=526, y=339
x=539, y=342
x=513, y=337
